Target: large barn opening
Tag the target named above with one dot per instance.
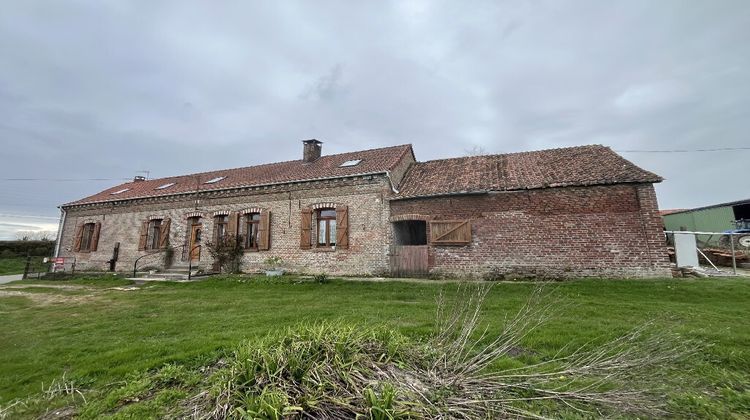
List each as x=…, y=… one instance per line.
x=410, y=232
x=742, y=211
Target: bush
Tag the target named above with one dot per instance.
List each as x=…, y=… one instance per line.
x=321, y=278
x=227, y=252
x=353, y=371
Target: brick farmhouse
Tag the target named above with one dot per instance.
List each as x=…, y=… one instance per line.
x=570, y=212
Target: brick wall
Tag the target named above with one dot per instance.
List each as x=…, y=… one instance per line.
x=366, y=198
x=556, y=232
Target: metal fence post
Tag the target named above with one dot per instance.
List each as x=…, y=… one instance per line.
x=734, y=257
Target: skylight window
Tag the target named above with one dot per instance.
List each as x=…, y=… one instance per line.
x=350, y=163
x=214, y=180
x=165, y=186
x=120, y=191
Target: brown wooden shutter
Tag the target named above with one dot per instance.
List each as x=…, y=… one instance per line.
x=305, y=240
x=77, y=239
x=164, y=233
x=450, y=232
x=264, y=231
x=232, y=224
x=342, y=227
x=95, y=236
x=144, y=236
x=242, y=229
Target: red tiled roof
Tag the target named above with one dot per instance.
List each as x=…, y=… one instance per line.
x=372, y=161
x=570, y=166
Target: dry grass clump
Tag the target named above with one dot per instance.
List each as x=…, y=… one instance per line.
x=335, y=371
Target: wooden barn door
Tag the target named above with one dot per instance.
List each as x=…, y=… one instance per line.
x=409, y=260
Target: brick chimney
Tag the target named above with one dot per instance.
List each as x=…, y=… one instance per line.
x=311, y=150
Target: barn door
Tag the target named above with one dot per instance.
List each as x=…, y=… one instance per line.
x=409, y=260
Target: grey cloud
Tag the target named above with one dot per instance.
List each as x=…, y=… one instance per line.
x=96, y=89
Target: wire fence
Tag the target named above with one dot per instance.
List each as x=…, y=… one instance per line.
x=728, y=250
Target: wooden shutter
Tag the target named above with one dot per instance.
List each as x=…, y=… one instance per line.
x=232, y=224
x=264, y=231
x=77, y=239
x=95, y=237
x=450, y=232
x=342, y=227
x=305, y=240
x=164, y=233
x=242, y=228
x=144, y=236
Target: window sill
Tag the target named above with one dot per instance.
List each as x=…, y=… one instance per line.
x=325, y=249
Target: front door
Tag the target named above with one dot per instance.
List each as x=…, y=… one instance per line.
x=195, y=241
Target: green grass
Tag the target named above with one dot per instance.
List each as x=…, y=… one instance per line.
x=96, y=335
x=15, y=265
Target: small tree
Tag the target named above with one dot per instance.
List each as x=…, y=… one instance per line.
x=227, y=252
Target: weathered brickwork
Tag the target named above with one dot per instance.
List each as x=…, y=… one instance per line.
x=554, y=232
x=530, y=214
x=366, y=198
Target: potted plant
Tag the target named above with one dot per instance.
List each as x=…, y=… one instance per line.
x=273, y=265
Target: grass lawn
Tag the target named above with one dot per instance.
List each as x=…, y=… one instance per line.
x=97, y=334
x=16, y=265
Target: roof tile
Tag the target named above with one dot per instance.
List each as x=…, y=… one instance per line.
x=372, y=161
x=571, y=166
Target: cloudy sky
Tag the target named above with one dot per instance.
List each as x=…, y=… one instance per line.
x=104, y=89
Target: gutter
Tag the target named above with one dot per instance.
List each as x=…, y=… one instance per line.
x=390, y=180
x=60, y=227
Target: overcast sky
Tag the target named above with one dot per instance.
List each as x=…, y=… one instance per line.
x=97, y=89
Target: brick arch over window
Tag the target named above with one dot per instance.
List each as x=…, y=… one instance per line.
x=412, y=216
x=309, y=226
x=319, y=206
x=193, y=214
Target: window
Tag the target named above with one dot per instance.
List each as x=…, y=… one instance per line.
x=120, y=191
x=326, y=226
x=350, y=163
x=252, y=221
x=165, y=186
x=214, y=180
x=221, y=223
x=87, y=237
x=154, y=234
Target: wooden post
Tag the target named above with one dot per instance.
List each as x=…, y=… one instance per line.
x=26, y=267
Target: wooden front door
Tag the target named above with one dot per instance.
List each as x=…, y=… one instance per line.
x=195, y=240
x=409, y=260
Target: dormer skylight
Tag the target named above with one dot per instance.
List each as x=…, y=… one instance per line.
x=165, y=186
x=350, y=163
x=120, y=191
x=214, y=180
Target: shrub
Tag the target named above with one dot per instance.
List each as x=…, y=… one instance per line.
x=321, y=278
x=227, y=252
x=348, y=371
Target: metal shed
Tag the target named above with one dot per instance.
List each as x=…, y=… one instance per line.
x=715, y=218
